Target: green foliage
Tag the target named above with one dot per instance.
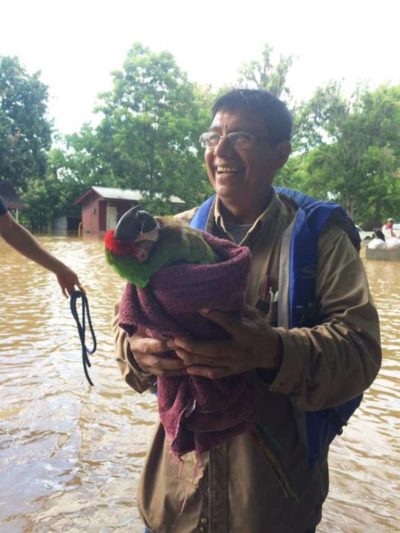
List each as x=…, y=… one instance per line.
x=266, y=75
x=42, y=197
x=319, y=120
x=148, y=136
x=53, y=195
x=348, y=151
x=345, y=149
x=25, y=131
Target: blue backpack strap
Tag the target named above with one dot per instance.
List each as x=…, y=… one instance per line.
x=310, y=221
x=321, y=426
x=199, y=221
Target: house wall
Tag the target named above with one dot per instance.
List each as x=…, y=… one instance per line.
x=90, y=215
x=94, y=213
x=64, y=224
x=123, y=206
x=102, y=215
x=60, y=224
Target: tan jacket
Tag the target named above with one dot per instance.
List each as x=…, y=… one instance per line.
x=233, y=489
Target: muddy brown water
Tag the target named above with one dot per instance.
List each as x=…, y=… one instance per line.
x=71, y=455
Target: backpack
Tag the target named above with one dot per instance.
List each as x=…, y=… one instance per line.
x=312, y=215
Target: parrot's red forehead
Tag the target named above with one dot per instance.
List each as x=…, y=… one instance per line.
x=121, y=248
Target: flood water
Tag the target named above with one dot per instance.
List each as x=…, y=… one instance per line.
x=70, y=455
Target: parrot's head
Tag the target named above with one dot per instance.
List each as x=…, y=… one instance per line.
x=135, y=234
x=141, y=245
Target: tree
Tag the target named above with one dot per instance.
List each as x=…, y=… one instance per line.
x=54, y=195
x=266, y=75
x=348, y=151
x=319, y=120
x=148, y=136
x=25, y=131
x=42, y=197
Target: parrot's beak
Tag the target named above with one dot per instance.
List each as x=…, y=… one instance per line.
x=134, y=224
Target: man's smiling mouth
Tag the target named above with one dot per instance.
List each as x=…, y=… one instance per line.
x=221, y=169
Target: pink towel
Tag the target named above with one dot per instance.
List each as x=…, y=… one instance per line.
x=197, y=413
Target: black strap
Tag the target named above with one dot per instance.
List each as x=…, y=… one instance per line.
x=82, y=330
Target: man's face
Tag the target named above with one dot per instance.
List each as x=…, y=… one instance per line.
x=240, y=176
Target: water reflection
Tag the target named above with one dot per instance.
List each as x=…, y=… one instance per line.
x=71, y=455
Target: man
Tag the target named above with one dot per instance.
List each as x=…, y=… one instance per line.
x=297, y=370
x=24, y=242
x=387, y=229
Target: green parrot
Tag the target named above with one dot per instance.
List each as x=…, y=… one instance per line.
x=140, y=245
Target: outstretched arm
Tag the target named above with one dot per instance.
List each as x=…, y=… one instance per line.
x=24, y=242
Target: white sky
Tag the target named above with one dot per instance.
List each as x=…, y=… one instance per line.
x=76, y=44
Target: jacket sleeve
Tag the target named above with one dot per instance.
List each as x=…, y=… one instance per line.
x=134, y=376
x=337, y=359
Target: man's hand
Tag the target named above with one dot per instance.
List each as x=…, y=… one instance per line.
x=253, y=344
x=148, y=355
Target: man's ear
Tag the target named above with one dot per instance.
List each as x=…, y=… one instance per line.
x=283, y=150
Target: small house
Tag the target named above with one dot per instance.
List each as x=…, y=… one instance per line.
x=102, y=207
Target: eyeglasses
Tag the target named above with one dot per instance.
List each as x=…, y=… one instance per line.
x=240, y=140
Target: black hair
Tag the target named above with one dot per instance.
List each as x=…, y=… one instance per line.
x=276, y=115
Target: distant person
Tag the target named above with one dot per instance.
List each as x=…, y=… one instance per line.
x=387, y=229
x=24, y=242
x=392, y=241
